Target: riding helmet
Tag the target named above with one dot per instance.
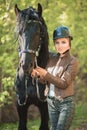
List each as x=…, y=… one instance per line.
x=62, y=32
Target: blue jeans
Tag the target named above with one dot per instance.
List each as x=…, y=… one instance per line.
x=61, y=113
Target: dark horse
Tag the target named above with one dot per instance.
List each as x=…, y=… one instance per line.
x=33, y=50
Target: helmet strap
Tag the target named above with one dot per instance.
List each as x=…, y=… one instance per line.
x=65, y=51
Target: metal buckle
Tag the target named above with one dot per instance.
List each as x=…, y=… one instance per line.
x=50, y=97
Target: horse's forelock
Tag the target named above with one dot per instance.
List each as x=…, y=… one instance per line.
x=30, y=13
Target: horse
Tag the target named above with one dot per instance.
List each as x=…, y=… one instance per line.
x=33, y=50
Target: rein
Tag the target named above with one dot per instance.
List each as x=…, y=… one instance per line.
x=26, y=79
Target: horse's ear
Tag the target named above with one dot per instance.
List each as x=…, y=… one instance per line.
x=39, y=9
x=16, y=9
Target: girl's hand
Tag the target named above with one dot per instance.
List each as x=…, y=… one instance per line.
x=41, y=71
x=35, y=73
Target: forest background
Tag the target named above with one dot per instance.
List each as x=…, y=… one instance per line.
x=72, y=13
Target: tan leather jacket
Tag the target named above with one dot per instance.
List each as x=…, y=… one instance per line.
x=65, y=72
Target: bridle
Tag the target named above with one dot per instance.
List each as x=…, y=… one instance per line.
x=36, y=53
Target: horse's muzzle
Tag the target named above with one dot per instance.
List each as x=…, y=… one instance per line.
x=27, y=68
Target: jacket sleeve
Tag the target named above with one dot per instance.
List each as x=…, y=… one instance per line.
x=67, y=77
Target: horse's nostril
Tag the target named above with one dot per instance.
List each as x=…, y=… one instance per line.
x=22, y=63
x=25, y=67
x=31, y=64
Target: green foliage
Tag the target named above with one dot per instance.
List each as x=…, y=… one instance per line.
x=32, y=125
x=5, y=98
x=80, y=118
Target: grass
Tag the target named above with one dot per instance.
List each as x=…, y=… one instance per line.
x=32, y=125
x=79, y=120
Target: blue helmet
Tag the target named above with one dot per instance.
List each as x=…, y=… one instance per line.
x=62, y=32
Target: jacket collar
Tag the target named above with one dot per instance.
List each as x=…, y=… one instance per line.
x=67, y=53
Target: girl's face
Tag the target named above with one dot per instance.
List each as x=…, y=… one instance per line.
x=62, y=45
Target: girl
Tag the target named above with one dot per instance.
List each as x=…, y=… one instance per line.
x=59, y=74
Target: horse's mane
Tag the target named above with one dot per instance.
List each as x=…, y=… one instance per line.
x=44, y=53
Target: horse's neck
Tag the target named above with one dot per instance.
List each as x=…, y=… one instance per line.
x=44, y=52
x=43, y=57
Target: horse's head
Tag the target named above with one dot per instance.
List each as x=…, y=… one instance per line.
x=29, y=28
